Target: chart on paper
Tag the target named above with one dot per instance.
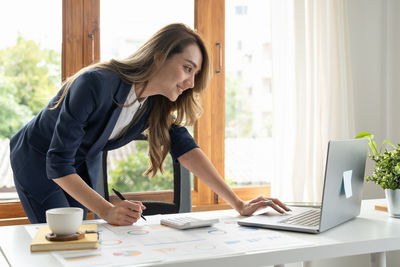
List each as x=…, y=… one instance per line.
x=149, y=242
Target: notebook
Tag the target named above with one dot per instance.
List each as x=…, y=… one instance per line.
x=40, y=243
x=342, y=193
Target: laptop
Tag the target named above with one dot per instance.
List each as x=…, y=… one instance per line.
x=342, y=193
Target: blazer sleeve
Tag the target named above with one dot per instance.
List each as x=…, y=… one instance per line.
x=181, y=142
x=79, y=102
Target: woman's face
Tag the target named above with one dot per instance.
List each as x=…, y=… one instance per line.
x=177, y=73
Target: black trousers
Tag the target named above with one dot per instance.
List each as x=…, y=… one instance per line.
x=36, y=210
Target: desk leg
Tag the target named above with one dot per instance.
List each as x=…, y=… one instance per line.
x=378, y=259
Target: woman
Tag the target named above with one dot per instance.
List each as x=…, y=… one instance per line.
x=56, y=156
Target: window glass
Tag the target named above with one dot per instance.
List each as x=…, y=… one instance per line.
x=30, y=68
x=248, y=99
x=125, y=26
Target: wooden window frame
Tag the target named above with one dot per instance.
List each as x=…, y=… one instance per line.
x=81, y=35
x=81, y=47
x=209, y=130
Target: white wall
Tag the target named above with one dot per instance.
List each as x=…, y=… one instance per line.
x=365, y=19
x=375, y=63
x=393, y=70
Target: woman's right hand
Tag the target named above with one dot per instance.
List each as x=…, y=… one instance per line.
x=125, y=212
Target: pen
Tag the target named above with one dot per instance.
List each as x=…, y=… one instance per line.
x=123, y=198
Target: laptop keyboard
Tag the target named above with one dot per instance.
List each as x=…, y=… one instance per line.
x=308, y=218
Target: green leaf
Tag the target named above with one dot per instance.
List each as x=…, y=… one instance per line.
x=386, y=171
x=372, y=145
x=363, y=135
x=390, y=143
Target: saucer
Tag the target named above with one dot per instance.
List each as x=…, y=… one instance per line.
x=55, y=237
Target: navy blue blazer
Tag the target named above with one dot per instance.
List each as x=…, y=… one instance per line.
x=71, y=138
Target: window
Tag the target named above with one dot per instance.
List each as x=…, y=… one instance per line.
x=81, y=46
x=125, y=26
x=239, y=44
x=211, y=124
x=248, y=96
x=241, y=10
x=30, y=69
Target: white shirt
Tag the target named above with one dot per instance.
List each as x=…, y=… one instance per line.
x=127, y=113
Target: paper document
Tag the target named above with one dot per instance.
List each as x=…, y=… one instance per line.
x=151, y=242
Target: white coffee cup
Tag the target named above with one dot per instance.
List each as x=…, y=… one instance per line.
x=64, y=221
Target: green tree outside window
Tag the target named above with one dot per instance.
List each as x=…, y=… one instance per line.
x=29, y=77
x=128, y=175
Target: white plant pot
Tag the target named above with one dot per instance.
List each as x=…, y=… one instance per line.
x=393, y=202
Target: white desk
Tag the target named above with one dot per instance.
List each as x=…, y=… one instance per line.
x=373, y=232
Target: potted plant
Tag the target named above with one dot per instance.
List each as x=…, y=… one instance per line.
x=386, y=171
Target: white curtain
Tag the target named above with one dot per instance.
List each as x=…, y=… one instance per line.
x=313, y=96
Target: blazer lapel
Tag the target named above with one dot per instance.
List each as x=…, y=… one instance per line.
x=136, y=129
x=120, y=97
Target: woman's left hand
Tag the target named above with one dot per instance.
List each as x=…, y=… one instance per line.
x=261, y=202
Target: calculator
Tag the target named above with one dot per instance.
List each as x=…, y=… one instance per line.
x=187, y=222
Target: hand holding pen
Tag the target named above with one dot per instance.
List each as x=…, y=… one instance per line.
x=123, y=198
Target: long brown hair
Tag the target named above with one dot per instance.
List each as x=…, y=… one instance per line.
x=139, y=68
